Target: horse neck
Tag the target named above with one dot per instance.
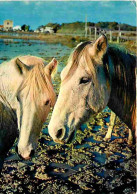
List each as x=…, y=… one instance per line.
x=123, y=89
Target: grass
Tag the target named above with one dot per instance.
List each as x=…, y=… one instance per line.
x=67, y=40
x=55, y=38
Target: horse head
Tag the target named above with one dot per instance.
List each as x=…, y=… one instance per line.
x=35, y=96
x=84, y=90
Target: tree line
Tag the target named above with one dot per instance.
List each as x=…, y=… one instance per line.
x=81, y=25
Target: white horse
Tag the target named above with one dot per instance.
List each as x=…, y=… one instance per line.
x=26, y=95
x=97, y=75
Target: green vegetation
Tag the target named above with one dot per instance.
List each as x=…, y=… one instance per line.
x=79, y=27
x=72, y=28
x=88, y=165
x=25, y=28
x=70, y=41
x=115, y=26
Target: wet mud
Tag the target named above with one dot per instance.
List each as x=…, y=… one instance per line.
x=87, y=165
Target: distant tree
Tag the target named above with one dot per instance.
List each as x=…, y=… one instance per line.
x=113, y=26
x=107, y=25
x=42, y=26
x=102, y=24
x=25, y=27
x=127, y=27
x=79, y=27
x=91, y=24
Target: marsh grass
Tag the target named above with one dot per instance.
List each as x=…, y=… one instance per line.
x=68, y=40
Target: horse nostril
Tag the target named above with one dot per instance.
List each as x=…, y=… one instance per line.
x=59, y=133
x=32, y=153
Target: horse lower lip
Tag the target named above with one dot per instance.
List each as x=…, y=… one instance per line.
x=27, y=158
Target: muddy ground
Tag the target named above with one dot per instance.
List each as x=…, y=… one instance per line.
x=88, y=165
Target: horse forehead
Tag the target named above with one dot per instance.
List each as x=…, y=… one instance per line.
x=64, y=72
x=31, y=60
x=28, y=92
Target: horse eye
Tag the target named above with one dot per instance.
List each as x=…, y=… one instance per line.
x=47, y=102
x=84, y=80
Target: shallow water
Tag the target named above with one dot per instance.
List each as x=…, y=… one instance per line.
x=87, y=165
x=14, y=47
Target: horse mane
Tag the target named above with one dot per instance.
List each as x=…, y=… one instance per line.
x=36, y=80
x=81, y=50
x=124, y=79
x=74, y=59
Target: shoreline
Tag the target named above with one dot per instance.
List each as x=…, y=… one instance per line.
x=67, y=40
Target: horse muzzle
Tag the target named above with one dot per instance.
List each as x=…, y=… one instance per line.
x=63, y=136
x=25, y=155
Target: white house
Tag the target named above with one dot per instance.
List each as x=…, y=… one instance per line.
x=8, y=25
x=49, y=30
x=16, y=28
x=45, y=30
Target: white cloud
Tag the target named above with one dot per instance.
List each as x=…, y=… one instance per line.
x=106, y=3
x=26, y=2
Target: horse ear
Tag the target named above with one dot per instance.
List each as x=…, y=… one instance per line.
x=100, y=46
x=23, y=69
x=52, y=67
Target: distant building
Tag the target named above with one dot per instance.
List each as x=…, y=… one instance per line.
x=42, y=29
x=8, y=25
x=47, y=30
x=16, y=28
x=1, y=27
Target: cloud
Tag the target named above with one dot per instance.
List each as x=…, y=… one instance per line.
x=26, y=2
x=106, y=3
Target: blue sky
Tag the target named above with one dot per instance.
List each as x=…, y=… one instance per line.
x=36, y=13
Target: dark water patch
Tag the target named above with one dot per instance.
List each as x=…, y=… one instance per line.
x=88, y=165
x=63, y=170
x=119, y=154
x=83, y=127
x=101, y=158
x=85, y=145
x=102, y=174
x=92, y=140
x=96, y=128
x=47, y=142
x=106, y=110
x=45, y=131
x=107, y=119
x=119, y=169
x=113, y=137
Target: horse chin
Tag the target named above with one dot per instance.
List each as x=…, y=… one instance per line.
x=25, y=155
x=59, y=141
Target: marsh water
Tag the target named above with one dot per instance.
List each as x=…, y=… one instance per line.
x=88, y=165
